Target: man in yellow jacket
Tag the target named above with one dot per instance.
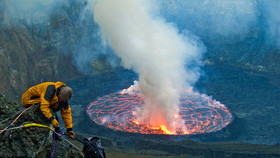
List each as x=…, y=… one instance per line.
x=51, y=95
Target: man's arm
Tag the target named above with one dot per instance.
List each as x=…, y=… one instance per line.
x=67, y=117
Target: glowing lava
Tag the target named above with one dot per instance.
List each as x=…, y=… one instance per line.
x=199, y=113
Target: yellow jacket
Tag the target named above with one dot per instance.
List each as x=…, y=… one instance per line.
x=47, y=94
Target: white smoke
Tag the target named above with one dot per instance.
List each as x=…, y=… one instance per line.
x=231, y=18
x=29, y=11
x=155, y=50
x=271, y=19
x=220, y=17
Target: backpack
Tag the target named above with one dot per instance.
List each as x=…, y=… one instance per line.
x=93, y=148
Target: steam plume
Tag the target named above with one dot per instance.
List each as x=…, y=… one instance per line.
x=232, y=18
x=222, y=17
x=155, y=50
x=270, y=13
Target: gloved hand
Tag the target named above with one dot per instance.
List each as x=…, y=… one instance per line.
x=71, y=134
x=55, y=124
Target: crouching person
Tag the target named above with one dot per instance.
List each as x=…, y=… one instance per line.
x=53, y=96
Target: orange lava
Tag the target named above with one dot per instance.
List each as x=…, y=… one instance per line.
x=199, y=113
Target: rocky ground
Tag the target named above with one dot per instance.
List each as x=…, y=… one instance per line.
x=31, y=141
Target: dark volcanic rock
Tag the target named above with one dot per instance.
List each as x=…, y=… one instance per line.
x=29, y=55
x=221, y=149
x=31, y=141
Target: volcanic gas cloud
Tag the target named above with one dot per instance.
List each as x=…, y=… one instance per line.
x=167, y=61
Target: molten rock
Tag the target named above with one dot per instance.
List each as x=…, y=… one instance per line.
x=198, y=114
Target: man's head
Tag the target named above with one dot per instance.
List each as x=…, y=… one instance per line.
x=65, y=94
